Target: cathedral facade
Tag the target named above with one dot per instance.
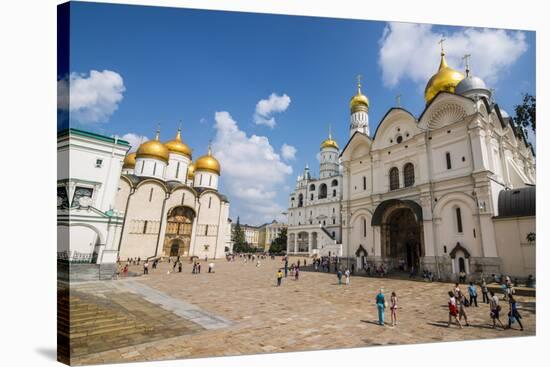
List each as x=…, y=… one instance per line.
x=429, y=192
x=171, y=206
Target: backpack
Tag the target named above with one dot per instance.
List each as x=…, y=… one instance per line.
x=466, y=303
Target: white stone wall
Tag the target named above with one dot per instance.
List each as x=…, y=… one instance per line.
x=150, y=167
x=177, y=168
x=206, y=179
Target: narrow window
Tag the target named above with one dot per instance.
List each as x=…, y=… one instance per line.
x=364, y=228
x=458, y=220
x=474, y=230
x=409, y=174
x=448, y=158
x=209, y=180
x=151, y=195
x=155, y=169
x=209, y=202
x=200, y=180
x=364, y=183
x=333, y=193
x=206, y=230
x=178, y=169
x=394, y=178
x=333, y=220
x=142, y=166
x=145, y=227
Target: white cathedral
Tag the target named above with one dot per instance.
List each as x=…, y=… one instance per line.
x=449, y=191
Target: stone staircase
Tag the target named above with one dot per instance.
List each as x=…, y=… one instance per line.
x=85, y=272
x=91, y=320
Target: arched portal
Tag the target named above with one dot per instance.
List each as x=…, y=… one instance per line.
x=179, y=227
x=402, y=242
x=303, y=242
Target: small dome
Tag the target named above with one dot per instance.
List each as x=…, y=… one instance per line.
x=329, y=142
x=178, y=146
x=472, y=85
x=359, y=102
x=208, y=163
x=504, y=114
x=129, y=160
x=445, y=80
x=191, y=171
x=153, y=149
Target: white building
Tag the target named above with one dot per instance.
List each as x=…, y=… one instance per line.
x=314, y=213
x=89, y=167
x=423, y=191
x=171, y=206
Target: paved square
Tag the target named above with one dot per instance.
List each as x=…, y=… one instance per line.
x=239, y=310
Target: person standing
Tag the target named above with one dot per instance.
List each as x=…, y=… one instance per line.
x=457, y=290
x=286, y=267
x=472, y=290
x=513, y=314
x=484, y=291
x=453, y=310
x=199, y=267
x=211, y=267
x=393, y=308
x=279, y=277
x=462, y=308
x=296, y=273
x=339, y=275
x=180, y=266
x=381, y=306
x=347, y=275
x=146, y=267
x=495, y=310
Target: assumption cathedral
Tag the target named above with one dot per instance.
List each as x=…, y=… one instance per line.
x=450, y=191
x=171, y=205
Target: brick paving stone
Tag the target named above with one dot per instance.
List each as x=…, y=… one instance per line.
x=313, y=313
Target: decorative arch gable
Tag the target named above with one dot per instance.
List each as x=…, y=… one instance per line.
x=445, y=109
x=397, y=122
x=359, y=144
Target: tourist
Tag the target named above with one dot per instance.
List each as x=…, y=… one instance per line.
x=125, y=270
x=339, y=275
x=461, y=303
x=347, y=275
x=457, y=290
x=495, y=310
x=462, y=277
x=139, y=259
x=286, y=268
x=453, y=310
x=381, y=306
x=298, y=263
x=305, y=262
x=472, y=290
x=393, y=308
x=513, y=314
x=146, y=267
x=198, y=267
x=484, y=291
x=530, y=283
x=211, y=267
x=279, y=277
x=180, y=266
x=258, y=263
x=296, y=273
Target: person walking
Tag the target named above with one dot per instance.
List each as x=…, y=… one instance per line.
x=453, y=310
x=461, y=303
x=211, y=267
x=286, y=268
x=347, y=275
x=381, y=306
x=199, y=267
x=495, y=310
x=279, y=277
x=180, y=267
x=393, y=308
x=296, y=273
x=457, y=290
x=339, y=275
x=472, y=290
x=484, y=291
x=146, y=267
x=513, y=313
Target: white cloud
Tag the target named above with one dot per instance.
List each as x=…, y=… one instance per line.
x=252, y=170
x=265, y=108
x=134, y=139
x=93, y=97
x=288, y=152
x=411, y=51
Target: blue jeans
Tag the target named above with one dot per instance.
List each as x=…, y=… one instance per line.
x=380, y=313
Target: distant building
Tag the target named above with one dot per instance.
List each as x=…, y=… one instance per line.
x=268, y=232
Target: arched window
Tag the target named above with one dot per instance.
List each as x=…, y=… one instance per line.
x=312, y=187
x=334, y=183
x=408, y=171
x=322, y=191
x=461, y=265
x=300, y=200
x=458, y=220
x=394, y=178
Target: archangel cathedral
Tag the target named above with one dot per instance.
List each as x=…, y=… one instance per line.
x=449, y=191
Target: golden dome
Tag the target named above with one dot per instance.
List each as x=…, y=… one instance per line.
x=191, y=171
x=329, y=143
x=177, y=146
x=208, y=163
x=359, y=101
x=129, y=160
x=153, y=149
x=446, y=79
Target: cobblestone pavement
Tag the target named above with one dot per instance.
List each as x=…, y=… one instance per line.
x=313, y=313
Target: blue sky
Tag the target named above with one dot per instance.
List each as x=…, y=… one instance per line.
x=167, y=64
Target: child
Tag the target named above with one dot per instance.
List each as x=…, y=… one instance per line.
x=279, y=277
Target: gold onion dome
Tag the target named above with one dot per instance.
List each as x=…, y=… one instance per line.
x=359, y=102
x=129, y=160
x=208, y=163
x=445, y=80
x=178, y=146
x=191, y=171
x=153, y=149
x=329, y=143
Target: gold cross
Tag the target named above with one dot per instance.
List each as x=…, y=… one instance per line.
x=441, y=44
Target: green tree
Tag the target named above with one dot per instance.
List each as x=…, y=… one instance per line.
x=278, y=245
x=239, y=243
x=526, y=112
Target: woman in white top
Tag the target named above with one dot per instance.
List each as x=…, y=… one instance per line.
x=347, y=274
